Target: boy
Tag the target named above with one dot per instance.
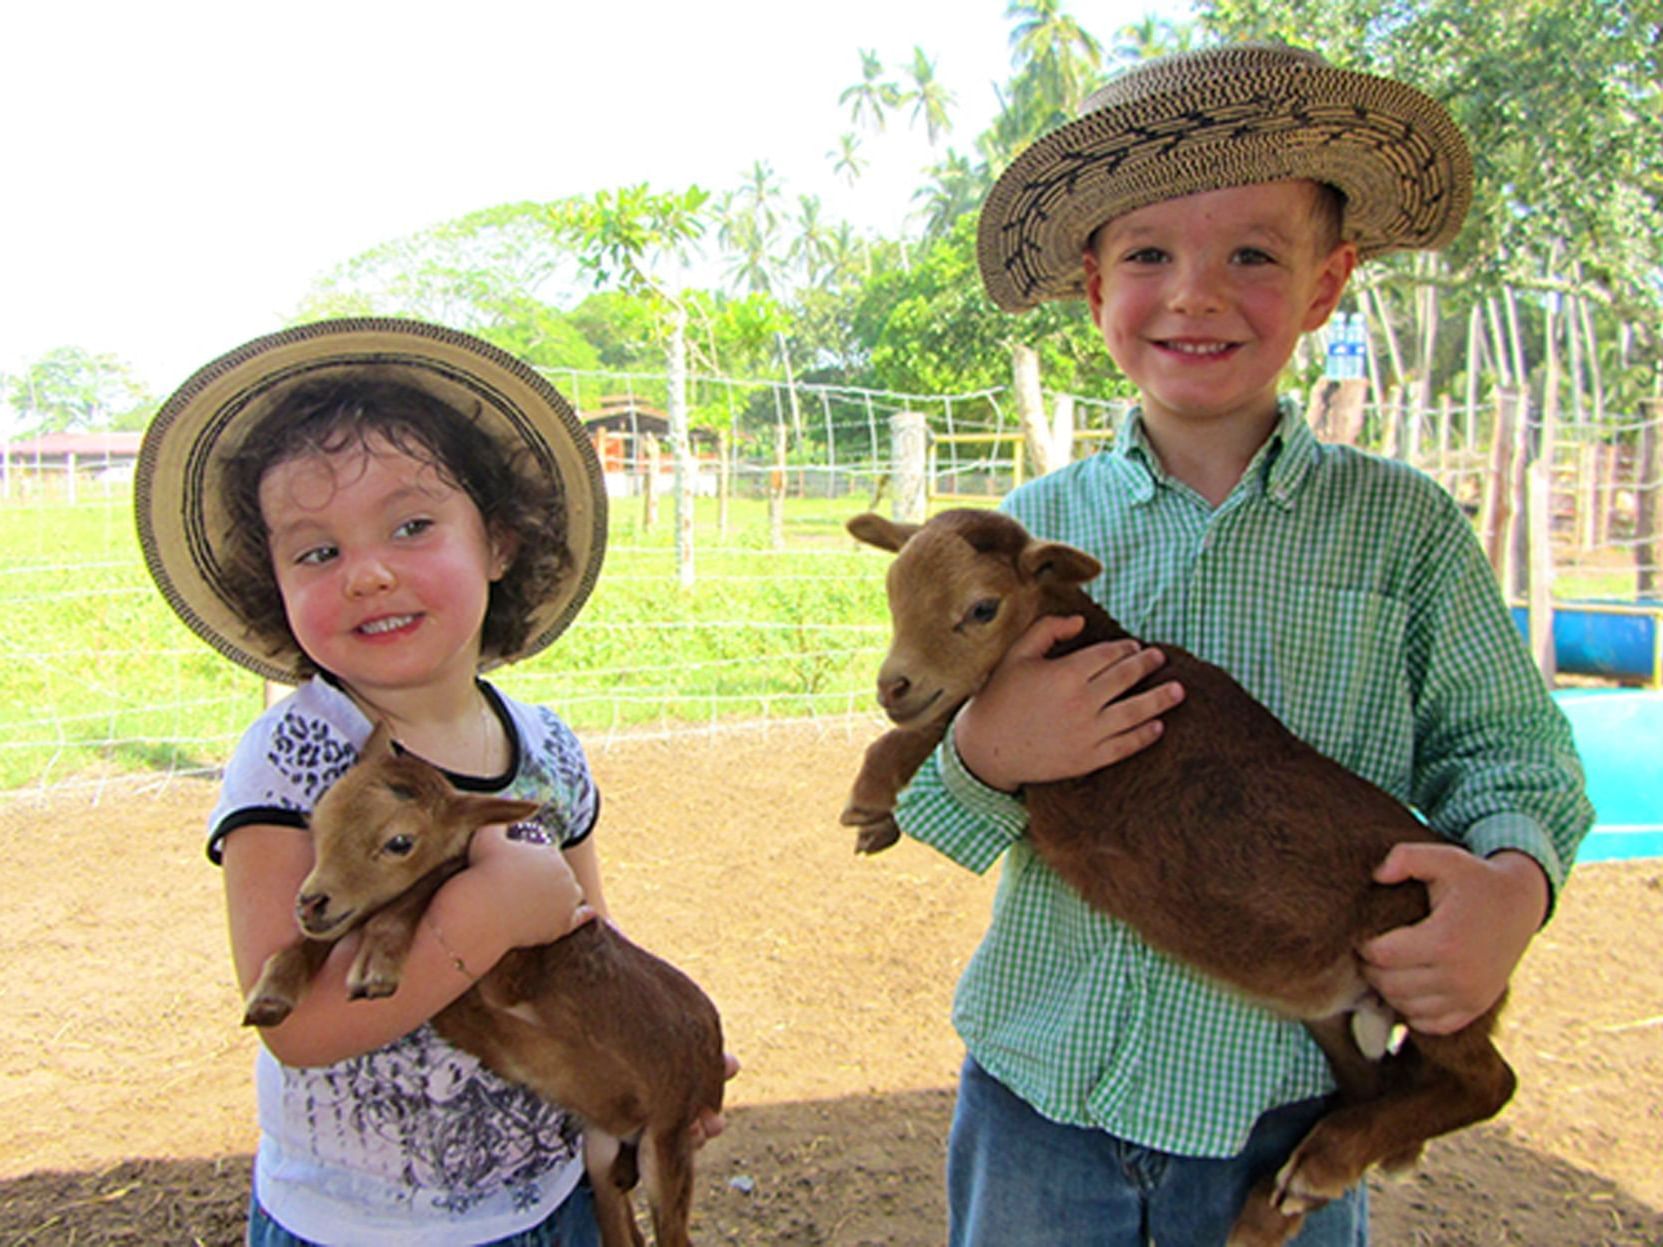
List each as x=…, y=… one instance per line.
x=1210, y=207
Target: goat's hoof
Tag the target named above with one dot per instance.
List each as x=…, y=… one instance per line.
x=1312, y=1177
x=877, y=826
x=371, y=987
x=878, y=836
x=266, y=1011
x=1262, y=1223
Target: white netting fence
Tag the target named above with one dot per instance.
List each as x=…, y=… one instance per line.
x=106, y=691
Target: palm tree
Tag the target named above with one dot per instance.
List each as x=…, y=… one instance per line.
x=811, y=248
x=1152, y=36
x=749, y=242
x=846, y=159
x=872, y=95
x=1066, y=60
x=956, y=187
x=761, y=188
x=929, y=98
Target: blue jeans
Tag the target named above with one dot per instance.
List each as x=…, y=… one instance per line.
x=1017, y=1179
x=570, y=1225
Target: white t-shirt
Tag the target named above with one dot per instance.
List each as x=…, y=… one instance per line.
x=416, y=1143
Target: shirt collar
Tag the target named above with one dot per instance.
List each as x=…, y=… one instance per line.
x=1278, y=470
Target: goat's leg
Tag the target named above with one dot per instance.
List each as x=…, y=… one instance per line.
x=1262, y=1223
x=602, y=1157
x=282, y=982
x=1435, y=1084
x=668, y=1176
x=388, y=934
x=890, y=762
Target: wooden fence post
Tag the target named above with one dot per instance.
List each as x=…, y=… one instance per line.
x=649, y=492
x=1648, y=491
x=776, y=490
x=909, y=436
x=723, y=481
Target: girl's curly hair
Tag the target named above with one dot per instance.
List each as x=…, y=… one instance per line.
x=516, y=497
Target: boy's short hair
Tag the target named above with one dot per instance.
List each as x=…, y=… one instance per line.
x=1222, y=117
x=431, y=391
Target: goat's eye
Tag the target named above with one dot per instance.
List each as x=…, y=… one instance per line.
x=399, y=845
x=984, y=611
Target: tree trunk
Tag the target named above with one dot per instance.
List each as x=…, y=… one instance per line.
x=1539, y=544
x=1474, y=327
x=1030, y=407
x=1498, y=344
x=1498, y=494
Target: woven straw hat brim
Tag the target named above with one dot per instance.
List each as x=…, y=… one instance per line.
x=180, y=508
x=1224, y=117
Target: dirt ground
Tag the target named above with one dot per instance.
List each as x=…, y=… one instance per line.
x=126, y=1109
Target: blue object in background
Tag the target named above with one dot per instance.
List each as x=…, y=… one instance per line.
x=1619, y=733
x=1616, y=640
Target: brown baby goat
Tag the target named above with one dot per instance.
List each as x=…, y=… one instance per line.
x=590, y=1022
x=1230, y=844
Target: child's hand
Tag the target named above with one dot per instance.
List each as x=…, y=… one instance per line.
x=710, y=1124
x=1448, y=968
x=535, y=896
x=1039, y=719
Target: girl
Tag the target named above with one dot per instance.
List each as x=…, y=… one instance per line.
x=377, y=511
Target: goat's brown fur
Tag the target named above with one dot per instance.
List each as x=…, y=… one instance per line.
x=590, y=1022
x=1230, y=844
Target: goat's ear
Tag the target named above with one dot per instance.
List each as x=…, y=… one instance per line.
x=874, y=530
x=484, y=810
x=1052, y=560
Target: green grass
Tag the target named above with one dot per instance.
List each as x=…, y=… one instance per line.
x=98, y=674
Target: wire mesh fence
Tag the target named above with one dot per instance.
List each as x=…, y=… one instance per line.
x=106, y=690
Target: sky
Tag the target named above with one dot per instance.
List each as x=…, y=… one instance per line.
x=179, y=173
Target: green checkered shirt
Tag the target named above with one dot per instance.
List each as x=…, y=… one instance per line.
x=1349, y=594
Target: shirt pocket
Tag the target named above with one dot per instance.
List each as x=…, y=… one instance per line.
x=1339, y=668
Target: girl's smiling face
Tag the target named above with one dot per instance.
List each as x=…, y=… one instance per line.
x=385, y=567
x=1202, y=299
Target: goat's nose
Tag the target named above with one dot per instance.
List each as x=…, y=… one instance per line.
x=892, y=689
x=311, y=906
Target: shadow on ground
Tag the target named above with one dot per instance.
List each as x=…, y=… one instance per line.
x=855, y=1172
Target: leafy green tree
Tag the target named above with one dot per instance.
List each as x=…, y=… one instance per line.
x=933, y=330
x=641, y=240
x=491, y=272
x=72, y=390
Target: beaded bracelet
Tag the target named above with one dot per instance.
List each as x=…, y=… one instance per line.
x=455, y=957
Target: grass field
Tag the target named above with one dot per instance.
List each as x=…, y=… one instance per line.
x=99, y=675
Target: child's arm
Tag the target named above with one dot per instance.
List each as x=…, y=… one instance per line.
x=512, y=894
x=1042, y=719
x=1448, y=968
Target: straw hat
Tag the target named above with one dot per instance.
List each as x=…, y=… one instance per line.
x=1230, y=116
x=181, y=511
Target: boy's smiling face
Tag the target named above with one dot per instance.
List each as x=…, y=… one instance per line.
x=1201, y=299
